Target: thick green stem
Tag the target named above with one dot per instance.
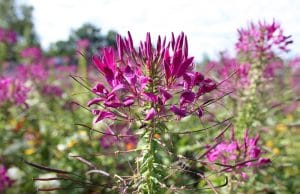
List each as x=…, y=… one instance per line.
x=249, y=113
x=150, y=167
x=150, y=184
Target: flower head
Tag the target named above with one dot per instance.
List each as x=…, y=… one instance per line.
x=238, y=154
x=13, y=90
x=52, y=90
x=32, y=71
x=33, y=53
x=262, y=40
x=155, y=74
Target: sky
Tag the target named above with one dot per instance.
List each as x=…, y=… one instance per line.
x=211, y=25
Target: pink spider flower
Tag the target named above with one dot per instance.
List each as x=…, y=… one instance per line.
x=234, y=155
x=35, y=72
x=271, y=69
x=4, y=89
x=230, y=66
x=11, y=36
x=262, y=40
x=33, y=53
x=19, y=92
x=52, y=90
x=13, y=90
x=235, y=75
x=160, y=74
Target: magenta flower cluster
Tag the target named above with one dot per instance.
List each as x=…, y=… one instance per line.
x=262, y=40
x=33, y=53
x=160, y=74
x=36, y=75
x=259, y=43
x=5, y=181
x=52, y=90
x=82, y=44
x=35, y=72
x=40, y=75
x=235, y=155
x=13, y=90
x=8, y=36
x=227, y=69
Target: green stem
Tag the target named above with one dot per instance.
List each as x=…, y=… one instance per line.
x=250, y=112
x=150, y=168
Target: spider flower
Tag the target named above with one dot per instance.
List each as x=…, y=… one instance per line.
x=33, y=53
x=262, y=40
x=13, y=90
x=161, y=75
x=235, y=155
x=52, y=90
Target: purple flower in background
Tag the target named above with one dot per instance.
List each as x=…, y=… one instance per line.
x=243, y=73
x=237, y=154
x=8, y=36
x=19, y=92
x=38, y=72
x=262, y=40
x=11, y=37
x=52, y=90
x=82, y=44
x=232, y=74
x=32, y=71
x=4, y=89
x=131, y=140
x=118, y=135
x=5, y=182
x=13, y=90
x=108, y=139
x=271, y=69
x=33, y=53
x=295, y=63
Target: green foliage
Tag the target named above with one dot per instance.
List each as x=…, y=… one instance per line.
x=19, y=18
x=88, y=32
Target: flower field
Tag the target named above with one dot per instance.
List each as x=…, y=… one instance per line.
x=143, y=116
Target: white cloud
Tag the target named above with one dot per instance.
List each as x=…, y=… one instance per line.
x=211, y=25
